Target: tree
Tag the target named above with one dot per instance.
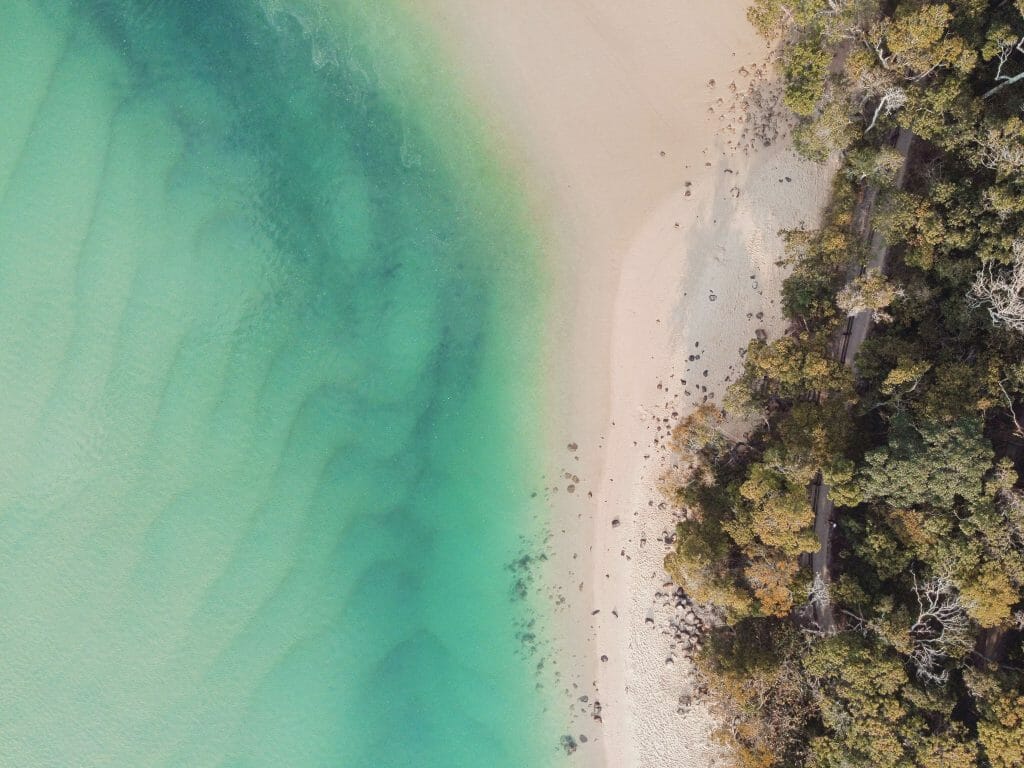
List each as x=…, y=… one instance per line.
x=941, y=628
x=771, y=577
x=953, y=389
x=935, y=465
x=779, y=514
x=805, y=67
x=1011, y=505
x=1001, y=44
x=905, y=377
x=820, y=259
x=701, y=430
x=886, y=90
x=927, y=561
x=913, y=219
x=1000, y=704
x=706, y=562
x=878, y=166
x=1001, y=732
x=812, y=437
x=759, y=691
x=833, y=20
x=914, y=43
x=860, y=694
x=870, y=292
x=829, y=130
x=1002, y=291
x=793, y=366
x=876, y=542
x=1000, y=147
x=951, y=748
x=706, y=577
x=768, y=17
x=988, y=595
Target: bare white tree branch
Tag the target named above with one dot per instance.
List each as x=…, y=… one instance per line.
x=891, y=100
x=1019, y=430
x=892, y=63
x=1002, y=292
x=1011, y=504
x=1006, y=50
x=1000, y=153
x=820, y=599
x=942, y=628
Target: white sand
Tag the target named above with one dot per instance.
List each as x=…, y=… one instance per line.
x=605, y=106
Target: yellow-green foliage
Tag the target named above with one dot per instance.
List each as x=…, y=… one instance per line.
x=869, y=710
x=702, y=573
x=779, y=514
x=988, y=594
x=872, y=291
x=772, y=579
x=829, y=130
x=913, y=221
x=805, y=67
x=1001, y=732
x=1000, y=704
x=753, y=671
x=792, y=366
x=916, y=41
x=875, y=165
x=905, y=376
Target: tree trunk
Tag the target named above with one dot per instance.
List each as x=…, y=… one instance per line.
x=998, y=88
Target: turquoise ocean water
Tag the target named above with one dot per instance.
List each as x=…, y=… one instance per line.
x=268, y=323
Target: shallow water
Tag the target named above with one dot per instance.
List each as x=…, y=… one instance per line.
x=266, y=397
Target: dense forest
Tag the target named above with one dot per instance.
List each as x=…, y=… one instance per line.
x=907, y=647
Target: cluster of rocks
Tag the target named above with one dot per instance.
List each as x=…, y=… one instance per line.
x=765, y=118
x=570, y=744
x=685, y=627
x=592, y=708
x=754, y=115
x=523, y=570
x=685, y=701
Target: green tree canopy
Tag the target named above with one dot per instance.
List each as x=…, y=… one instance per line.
x=935, y=465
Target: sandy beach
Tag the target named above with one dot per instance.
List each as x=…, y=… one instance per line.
x=651, y=138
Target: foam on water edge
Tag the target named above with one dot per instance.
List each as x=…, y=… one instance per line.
x=268, y=326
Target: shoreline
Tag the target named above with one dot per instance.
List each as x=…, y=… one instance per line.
x=660, y=219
